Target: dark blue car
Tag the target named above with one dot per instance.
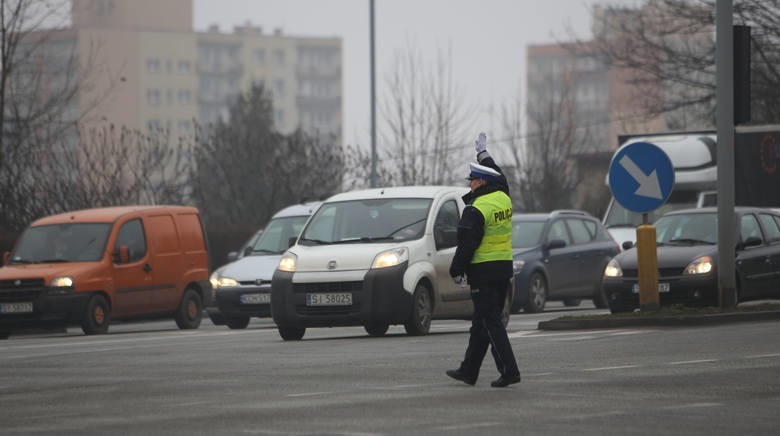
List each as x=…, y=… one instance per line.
x=559, y=256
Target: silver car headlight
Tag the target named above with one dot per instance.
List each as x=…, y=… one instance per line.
x=517, y=265
x=613, y=269
x=702, y=265
x=222, y=282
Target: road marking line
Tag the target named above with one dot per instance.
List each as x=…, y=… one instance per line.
x=764, y=356
x=609, y=368
x=690, y=362
x=309, y=394
x=469, y=426
x=693, y=406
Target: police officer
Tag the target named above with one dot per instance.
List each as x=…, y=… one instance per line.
x=483, y=260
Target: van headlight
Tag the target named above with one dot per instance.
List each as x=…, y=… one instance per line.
x=62, y=282
x=287, y=262
x=61, y=285
x=388, y=258
x=613, y=269
x=702, y=265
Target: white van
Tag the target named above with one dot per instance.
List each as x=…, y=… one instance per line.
x=373, y=258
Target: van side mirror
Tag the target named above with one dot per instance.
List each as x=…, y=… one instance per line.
x=6, y=257
x=446, y=237
x=233, y=255
x=627, y=245
x=556, y=243
x=292, y=241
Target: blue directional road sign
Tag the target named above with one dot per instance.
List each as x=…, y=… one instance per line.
x=641, y=176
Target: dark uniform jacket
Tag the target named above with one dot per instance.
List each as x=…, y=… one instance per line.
x=471, y=228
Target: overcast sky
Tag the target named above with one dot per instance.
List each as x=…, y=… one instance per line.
x=487, y=38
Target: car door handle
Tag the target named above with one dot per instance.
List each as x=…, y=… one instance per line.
x=147, y=268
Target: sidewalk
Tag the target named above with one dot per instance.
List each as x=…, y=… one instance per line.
x=648, y=320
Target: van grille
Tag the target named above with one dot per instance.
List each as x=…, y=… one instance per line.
x=25, y=290
x=305, y=288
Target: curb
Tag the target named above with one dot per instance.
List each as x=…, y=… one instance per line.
x=664, y=321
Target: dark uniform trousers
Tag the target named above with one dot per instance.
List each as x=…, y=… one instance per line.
x=488, y=330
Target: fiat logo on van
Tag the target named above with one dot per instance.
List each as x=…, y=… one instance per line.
x=332, y=264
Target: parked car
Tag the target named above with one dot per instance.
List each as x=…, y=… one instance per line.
x=688, y=257
x=374, y=258
x=559, y=255
x=92, y=266
x=242, y=288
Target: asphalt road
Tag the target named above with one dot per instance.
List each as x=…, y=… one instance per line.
x=150, y=378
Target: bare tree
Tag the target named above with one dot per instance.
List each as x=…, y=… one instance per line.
x=544, y=165
x=669, y=48
x=43, y=79
x=425, y=121
x=246, y=171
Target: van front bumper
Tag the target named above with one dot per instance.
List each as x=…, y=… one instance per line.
x=378, y=299
x=47, y=309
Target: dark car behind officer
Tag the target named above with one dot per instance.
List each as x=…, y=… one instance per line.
x=483, y=259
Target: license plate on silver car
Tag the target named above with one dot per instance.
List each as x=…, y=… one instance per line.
x=329, y=299
x=16, y=308
x=255, y=298
x=662, y=287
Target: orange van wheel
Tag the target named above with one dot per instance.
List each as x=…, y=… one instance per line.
x=97, y=316
x=190, y=311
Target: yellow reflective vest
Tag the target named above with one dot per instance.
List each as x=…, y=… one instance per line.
x=496, y=244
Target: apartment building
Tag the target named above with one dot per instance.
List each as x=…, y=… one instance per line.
x=161, y=74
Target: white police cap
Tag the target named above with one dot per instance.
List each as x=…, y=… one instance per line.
x=482, y=172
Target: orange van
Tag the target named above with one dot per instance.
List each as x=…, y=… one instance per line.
x=91, y=266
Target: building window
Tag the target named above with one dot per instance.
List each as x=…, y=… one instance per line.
x=279, y=55
x=153, y=65
x=153, y=125
x=260, y=56
x=184, y=67
x=185, y=97
x=153, y=96
x=185, y=126
x=279, y=88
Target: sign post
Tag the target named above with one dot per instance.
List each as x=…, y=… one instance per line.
x=641, y=178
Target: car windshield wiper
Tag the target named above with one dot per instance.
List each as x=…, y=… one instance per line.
x=316, y=241
x=691, y=241
x=263, y=250
x=20, y=261
x=52, y=261
x=389, y=236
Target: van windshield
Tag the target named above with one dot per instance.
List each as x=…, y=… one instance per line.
x=372, y=220
x=276, y=236
x=618, y=216
x=71, y=242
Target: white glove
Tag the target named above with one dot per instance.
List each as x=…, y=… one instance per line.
x=481, y=143
x=461, y=280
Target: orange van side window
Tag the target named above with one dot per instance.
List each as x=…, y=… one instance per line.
x=190, y=233
x=131, y=234
x=162, y=234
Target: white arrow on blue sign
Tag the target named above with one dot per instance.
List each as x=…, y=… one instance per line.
x=641, y=176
